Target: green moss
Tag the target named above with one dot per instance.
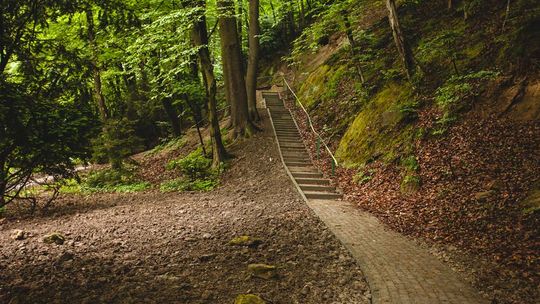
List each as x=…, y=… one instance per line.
x=378, y=130
x=314, y=86
x=248, y=299
x=474, y=50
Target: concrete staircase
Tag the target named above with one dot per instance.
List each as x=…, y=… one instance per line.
x=294, y=154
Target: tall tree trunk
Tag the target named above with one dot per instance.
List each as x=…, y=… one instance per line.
x=401, y=44
x=98, y=93
x=354, y=50
x=233, y=70
x=450, y=4
x=199, y=36
x=253, y=60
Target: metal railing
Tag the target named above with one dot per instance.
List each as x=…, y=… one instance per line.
x=320, y=141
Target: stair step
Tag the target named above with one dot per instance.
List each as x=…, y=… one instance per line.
x=310, y=170
x=298, y=164
x=312, y=181
x=296, y=155
x=300, y=174
x=317, y=188
x=321, y=195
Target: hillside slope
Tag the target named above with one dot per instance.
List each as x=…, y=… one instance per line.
x=451, y=156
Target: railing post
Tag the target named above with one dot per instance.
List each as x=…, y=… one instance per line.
x=333, y=167
x=318, y=148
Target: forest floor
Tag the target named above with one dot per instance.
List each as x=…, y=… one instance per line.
x=154, y=247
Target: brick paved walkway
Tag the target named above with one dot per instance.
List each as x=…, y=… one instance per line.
x=396, y=269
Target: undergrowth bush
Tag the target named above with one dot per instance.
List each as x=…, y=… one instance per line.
x=181, y=184
x=194, y=166
x=108, y=180
x=456, y=93
x=197, y=173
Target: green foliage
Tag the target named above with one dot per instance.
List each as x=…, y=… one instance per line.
x=110, y=180
x=168, y=145
x=410, y=163
x=181, y=184
x=38, y=136
x=456, y=92
x=116, y=142
x=363, y=176
x=443, y=48
x=195, y=165
x=410, y=183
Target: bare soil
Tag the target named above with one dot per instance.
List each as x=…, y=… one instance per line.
x=157, y=247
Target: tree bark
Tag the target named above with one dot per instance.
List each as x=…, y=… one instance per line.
x=199, y=36
x=401, y=44
x=233, y=70
x=96, y=71
x=253, y=59
x=506, y=14
x=172, y=114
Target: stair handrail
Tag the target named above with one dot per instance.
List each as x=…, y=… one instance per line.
x=320, y=139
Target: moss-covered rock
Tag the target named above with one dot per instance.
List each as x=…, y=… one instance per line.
x=263, y=271
x=54, y=238
x=377, y=130
x=248, y=299
x=245, y=240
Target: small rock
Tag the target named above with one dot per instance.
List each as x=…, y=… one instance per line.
x=207, y=236
x=55, y=238
x=480, y=196
x=207, y=257
x=66, y=256
x=248, y=299
x=245, y=240
x=18, y=235
x=263, y=271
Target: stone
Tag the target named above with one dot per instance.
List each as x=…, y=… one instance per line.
x=245, y=240
x=207, y=236
x=480, y=196
x=249, y=299
x=18, y=235
x=207, y=257
x=263, y=271
x=54, y=238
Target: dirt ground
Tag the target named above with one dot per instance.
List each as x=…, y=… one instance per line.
x=174, y=248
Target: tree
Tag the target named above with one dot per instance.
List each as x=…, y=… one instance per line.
x=350, y=37
x=199, y=37
x=403, y=48
x=253, y=59
x=38, y=135
x=96, y=71
x=233, y=71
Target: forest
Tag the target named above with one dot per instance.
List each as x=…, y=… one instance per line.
x=189, y=151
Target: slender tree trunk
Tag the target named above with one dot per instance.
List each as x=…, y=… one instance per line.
x=290, y=17
x=233, y=70
x=239, y=15
x=98, y=93
x=354, y=50
x=450, y=4
x=253, y=60
x=401, y=44
x=506, y=14
x=273, y=11
x=301, y=17
x=172, y=114
x=199, y=36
